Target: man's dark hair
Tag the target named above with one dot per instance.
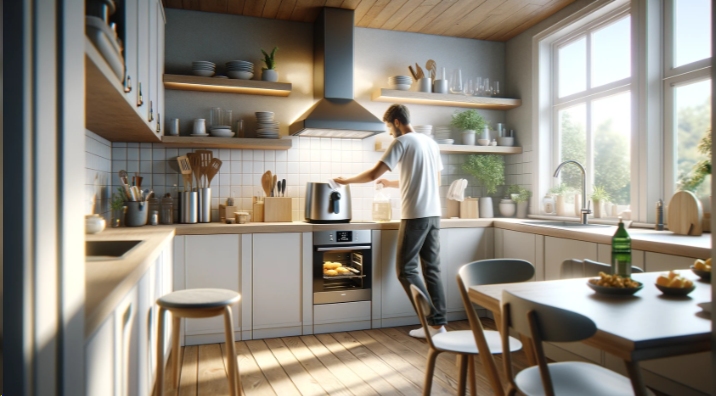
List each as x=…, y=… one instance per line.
x=397, y=112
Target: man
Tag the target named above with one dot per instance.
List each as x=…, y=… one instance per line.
x=418, y=239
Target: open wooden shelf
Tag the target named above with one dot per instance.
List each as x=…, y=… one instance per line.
x=436, y=99
x=463, y=149
x=234, y=143
x=228, y=85
x=108, y=112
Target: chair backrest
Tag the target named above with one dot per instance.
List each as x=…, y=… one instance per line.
x=484, y=272
x=422, y=305
x=573, y=268
x=542, y=323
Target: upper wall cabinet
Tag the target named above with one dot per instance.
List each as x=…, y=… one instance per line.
x=124, y=92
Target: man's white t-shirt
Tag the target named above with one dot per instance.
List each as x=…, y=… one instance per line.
x=419, y=159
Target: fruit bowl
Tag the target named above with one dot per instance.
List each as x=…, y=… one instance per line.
x=623, y=291
x=705, y=275
x=675, y=291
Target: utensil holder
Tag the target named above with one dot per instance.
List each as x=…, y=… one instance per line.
x=440, y=86
x=425, y=84
x=204, y=205
x=188, y=205
x=137, y=213
x=277, y=209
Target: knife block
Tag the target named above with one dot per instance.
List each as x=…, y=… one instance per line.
x=278, y=209
x=258, y=209
x=469, y=209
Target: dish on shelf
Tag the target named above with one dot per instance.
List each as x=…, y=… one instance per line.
x=199, y=134
x=203, y=73
x=222, y=133
x=444, y=141
x=505, y=141
x=241, y=75
x=483, y=142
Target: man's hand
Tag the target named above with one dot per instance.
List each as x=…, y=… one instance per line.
x=388, y=183
x=341, y=180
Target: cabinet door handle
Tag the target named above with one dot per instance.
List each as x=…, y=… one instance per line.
x=140, y=99
x=128, y=84
x=151, y=112
x=159, y=123
x=328, y=249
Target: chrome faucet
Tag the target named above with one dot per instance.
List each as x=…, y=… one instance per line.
x=586, y=211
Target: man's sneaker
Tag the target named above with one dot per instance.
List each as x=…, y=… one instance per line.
x=420, y=333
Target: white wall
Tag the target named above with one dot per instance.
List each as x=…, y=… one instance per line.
x=98, y=166
x=379, y=54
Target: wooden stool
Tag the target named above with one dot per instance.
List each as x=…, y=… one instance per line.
x=197, y=303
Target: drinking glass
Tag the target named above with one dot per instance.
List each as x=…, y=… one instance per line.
x=227, y=118
x=496, y=89
x=469, y=87
x=456, y=82
x=215, y=117
x=478, y=86
x=487, y=88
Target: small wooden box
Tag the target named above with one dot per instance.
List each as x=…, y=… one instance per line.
x=469, y=209
x=226, y=212
x=453, y=209
x=258, y=209
x=278, y=209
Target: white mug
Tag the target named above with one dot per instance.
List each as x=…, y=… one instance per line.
x=199, y=126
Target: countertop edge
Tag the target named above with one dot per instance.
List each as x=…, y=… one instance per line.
x=136, y=267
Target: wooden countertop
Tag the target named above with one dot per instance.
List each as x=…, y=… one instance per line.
x=108, y=281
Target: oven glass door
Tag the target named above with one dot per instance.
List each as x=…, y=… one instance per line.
x=341, y=273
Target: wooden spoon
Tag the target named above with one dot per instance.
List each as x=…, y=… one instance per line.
x=274, y=179
x=266, y=183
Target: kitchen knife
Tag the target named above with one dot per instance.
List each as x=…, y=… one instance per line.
x=283, y=187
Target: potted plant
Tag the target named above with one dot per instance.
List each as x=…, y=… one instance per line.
x=521, y=198
x=559, y=192
x=599, y=196
x=269, y=72
x=118, y=208
x=469, y=121
x=489, y=170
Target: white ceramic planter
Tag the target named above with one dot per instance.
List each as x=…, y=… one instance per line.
x=486, y=208
x=468, y=137
x=269, y=75
x=507, y=207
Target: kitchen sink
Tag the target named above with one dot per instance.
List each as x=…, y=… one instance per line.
x=108, y=250
x=563, y=224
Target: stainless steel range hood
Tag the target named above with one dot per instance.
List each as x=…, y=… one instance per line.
x=335, y=114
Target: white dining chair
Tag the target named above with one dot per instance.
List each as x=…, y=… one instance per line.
x=550, y=324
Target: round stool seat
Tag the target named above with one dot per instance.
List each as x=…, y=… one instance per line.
x=199, y=299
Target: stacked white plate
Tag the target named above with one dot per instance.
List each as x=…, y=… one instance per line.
x=203, y=68
x=266, y=126
x=400, y=82
x=242, y=70
x=221, y=131
x=424, y=129
x=442, y=132
x=444, y=141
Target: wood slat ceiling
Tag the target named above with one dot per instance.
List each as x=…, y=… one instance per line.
x=496, y=20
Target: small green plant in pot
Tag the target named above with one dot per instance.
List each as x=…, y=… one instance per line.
x=469, y=121
x=117, y=206
x=269, y=73
x=521, y=196
x=489, y=170
x=599, y=197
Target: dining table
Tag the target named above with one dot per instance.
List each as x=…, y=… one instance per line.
x=645, y=325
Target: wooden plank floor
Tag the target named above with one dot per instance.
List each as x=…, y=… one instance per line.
x=367, y=362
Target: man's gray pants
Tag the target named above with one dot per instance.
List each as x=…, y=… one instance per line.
x=419, y=243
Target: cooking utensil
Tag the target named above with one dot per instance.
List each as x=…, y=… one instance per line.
x=205, y=156
x=266, y=183
x=195, y=161
x=419, y=71
x=685, y=214
x=213, y=170
x=415, y=76
x=185, y=169
x=123, y=176
x=432, y=67
x=283, y=187
x=273, y=185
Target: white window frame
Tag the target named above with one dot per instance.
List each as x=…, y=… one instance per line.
x=674, y=77
x=587, y=96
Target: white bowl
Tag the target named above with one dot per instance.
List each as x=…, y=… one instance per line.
x=203, y=73
x=222, y=133
x=402, y=87
x=241, y=75
x=94, y=224
x=483, y=142
x=505, y=141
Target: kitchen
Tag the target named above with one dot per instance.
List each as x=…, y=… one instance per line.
x=374, y=62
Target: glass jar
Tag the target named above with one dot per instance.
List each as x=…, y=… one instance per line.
x=167, y=213
x=548, y=204
x=153, y=205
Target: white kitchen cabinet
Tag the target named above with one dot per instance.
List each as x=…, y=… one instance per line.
x=556, y=250
x=159, y=69
x=131, y=30
x=142, y=82
x=459, y=246
x=666, y=262
x=521, y=245
x=211, y=261
x=99, y=360
x=277, y=278
x=604, y=255
x=396, y=309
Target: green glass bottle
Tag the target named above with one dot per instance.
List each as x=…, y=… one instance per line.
x=621, y=252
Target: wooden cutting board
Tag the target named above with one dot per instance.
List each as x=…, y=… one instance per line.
x=685, y=214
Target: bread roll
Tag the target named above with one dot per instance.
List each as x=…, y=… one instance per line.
x=331, y=272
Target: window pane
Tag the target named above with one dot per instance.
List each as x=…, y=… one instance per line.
x=693, y=120
x=573, y=141
x=692, y=31
x=573, y=67
x=611, y=128
x=611, y=52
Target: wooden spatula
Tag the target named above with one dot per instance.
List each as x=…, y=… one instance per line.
x=185, y=169
x=206, y=156
x=266, y=183
x=213, y=170
x=195, y=161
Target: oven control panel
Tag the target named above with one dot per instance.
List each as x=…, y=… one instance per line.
x=322, y=238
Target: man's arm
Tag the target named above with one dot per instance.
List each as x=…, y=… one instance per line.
x=368, y=176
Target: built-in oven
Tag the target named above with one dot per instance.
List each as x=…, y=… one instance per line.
x=342, y=267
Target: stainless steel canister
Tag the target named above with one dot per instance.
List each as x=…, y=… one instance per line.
x=189, y=202
x=204, y=205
